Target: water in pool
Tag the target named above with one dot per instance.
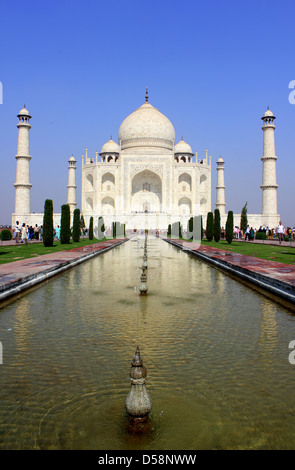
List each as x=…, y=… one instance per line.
x=216, y=354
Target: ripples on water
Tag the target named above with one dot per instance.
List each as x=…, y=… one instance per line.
x=216, y=354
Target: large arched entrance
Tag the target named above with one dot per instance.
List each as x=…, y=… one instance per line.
x=146, y=192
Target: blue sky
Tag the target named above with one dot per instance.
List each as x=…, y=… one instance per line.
x=212, y=67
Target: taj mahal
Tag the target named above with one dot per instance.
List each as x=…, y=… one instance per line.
x=146, y=180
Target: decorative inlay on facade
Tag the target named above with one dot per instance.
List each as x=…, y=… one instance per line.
x=134, y=169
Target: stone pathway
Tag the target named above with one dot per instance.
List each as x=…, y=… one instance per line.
x=23, y=274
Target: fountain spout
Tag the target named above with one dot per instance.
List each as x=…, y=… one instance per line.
x=138, y=402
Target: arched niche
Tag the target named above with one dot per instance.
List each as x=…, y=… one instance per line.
x=89, y=204
x=108, y=182
x=89, y=182
x=184, y=182
x=203, y=179
x=185, y=206
x=108, y=206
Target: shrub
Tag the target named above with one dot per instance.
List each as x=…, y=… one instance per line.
x=217, y=226
x=91, y=228
x=48, y=223
x=229, y=227
x=65, y=224
x=286, y=239
x=5, y=234
x=261, y=236
x=76, y=226
x=209, y=227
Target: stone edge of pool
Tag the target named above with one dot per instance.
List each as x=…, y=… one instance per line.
x=278, y=288
x=13, y=288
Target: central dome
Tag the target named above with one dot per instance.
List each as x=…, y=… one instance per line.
x=146, y=127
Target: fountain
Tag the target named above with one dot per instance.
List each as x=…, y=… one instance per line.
x=143, y=284
x=138, y=402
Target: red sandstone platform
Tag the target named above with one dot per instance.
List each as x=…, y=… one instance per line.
x=23, y=274
x=271, y=275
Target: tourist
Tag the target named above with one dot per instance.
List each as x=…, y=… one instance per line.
x=17, y=231
x=31, y=233
x=280, y=231
x=247, y=233
x=36, y=232
x=57, y=232
x=24, y=233
x=251, y=234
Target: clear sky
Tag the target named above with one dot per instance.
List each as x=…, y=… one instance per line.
x=212, y=67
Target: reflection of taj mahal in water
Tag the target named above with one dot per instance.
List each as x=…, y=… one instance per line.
x=146, y=180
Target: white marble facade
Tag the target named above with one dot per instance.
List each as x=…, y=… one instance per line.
x=146, y=181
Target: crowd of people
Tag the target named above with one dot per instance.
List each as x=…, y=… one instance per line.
x=280, y=233
x=24, y=233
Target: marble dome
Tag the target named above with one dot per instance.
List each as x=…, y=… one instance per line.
x=183, y=147
x=110, y=147
x=24, y=112
x=146, y=127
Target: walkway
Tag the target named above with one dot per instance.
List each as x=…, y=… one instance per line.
x=19, y=275
x=277, y=278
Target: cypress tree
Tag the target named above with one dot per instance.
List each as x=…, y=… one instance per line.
x=190, y=227
x=169, y=230
x=180, y=230
x=48, y=223
x=91, y=228
x=244, y=218
x=217, y=227
x=101, y=222
x=76, y=226
x=202, y=229
x=229, y=227
x=114, y=229
x=209, y=227
x=100, y=228
x=65, y=224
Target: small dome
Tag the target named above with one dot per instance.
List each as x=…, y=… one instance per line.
x=24, y=112
x=110, y=147
x=220, y=160
x=268, y=113
x=183, y=147
x=72, y=159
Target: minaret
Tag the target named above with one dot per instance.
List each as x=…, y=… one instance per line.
x=220, y=188
x=22, y=184
x=72, y=184
x=269, y=180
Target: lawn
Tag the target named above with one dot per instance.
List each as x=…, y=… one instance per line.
x=21, y=251
x=282, y=254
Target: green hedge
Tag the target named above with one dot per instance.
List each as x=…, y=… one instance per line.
x=6, y=234
x=261, y=236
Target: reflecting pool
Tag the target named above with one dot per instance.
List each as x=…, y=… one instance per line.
x=216, y=354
